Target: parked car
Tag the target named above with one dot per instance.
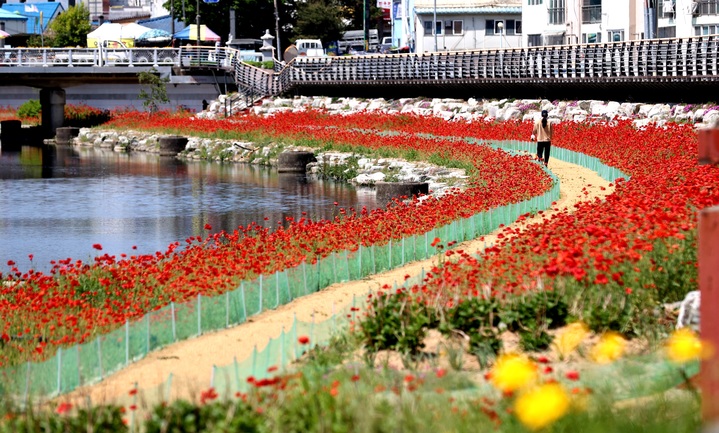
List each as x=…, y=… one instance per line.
x=356, y=50
x=386, y=45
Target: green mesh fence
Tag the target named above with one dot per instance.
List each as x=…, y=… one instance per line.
x=92, y=361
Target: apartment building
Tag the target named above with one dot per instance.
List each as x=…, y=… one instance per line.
x=467, y=24
x=557, y=22
x=684, y=18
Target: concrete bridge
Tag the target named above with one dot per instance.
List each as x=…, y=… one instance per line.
x=671, y=70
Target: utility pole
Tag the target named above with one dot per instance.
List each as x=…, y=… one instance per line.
x=197, y=21
x=277, y=30
x=434, y=25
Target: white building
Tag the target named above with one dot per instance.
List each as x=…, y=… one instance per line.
x=684, y=18
x=557, y=22
x=467, y=24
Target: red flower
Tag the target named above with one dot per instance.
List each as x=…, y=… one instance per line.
x=572, y=375
x=303, y=339
x=97, y=246
x=208, y=227
x=208, y=395
x=63, y=407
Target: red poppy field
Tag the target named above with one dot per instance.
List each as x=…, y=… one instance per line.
x=612, y=261
x=599, y=246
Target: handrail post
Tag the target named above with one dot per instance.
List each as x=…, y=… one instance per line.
x=708, y=259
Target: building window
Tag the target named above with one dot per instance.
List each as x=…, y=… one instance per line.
x=518, y=27
x=712, y=29
x=615, y=35
x=534, y=40
x=509, y=30
x=428, y=28
x=489, y=27
x=591, y=11
x=591, y=38
x=534, y=2
x=705, y=7
x=666, y=8
x=457, y=27
x=556, y=12
x=554, y=39
x=667, y=32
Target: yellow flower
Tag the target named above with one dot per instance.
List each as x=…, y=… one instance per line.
x=570, y=337
x=684, y=345
x=609, y=348
x=513, y=371
x=542, y=405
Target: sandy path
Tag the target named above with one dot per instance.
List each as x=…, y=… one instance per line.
x=191, y=361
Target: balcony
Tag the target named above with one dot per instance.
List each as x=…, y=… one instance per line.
x=705, y=7
x=556, y=15
x=591, y=14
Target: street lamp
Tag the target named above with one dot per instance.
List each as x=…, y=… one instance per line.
x=500, y=26
x=197, y=22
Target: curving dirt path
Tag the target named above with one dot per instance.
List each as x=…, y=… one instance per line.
x=191, y=361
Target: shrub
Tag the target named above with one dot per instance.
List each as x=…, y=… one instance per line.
x=395, y=322
x=29, y=110
x=477, y=318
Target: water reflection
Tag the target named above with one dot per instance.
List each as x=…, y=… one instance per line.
x=57, y=201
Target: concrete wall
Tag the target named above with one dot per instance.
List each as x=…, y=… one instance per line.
x=116, y=96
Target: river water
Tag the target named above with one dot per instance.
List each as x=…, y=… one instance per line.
x=57, y=201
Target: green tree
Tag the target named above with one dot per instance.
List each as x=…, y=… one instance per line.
x=154, y=90
x=320, y=19
x=71, y=27
x=253, y=17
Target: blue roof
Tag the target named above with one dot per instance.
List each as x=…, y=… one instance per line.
x=8, y=16
x=162, y=23
x=476, y=10
x=48, y=9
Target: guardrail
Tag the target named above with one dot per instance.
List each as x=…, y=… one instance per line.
x=72, y=57
x=617, y=61
x=656, y=60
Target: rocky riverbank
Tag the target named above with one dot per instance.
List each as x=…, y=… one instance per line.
x=361, y=171
x=641, y=114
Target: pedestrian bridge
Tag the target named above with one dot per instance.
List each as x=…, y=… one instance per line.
x=679, y=69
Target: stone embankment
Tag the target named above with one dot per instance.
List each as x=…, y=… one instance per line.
x=489, y=110
x=362, y=171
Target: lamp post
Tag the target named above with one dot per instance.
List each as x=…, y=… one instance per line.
x=500, y=26
x=434, y=25
x=197, y=22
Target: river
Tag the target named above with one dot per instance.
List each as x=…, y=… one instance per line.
x=56, y=202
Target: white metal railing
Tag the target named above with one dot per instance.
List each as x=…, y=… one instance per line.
x=676, y=58
x=72, y=57
x=612, y=61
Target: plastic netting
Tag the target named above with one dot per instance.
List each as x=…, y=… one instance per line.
x=92, y=361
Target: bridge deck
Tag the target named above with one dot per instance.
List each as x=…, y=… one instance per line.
x=659, y=69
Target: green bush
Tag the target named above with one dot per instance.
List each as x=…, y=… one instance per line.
x=29, y=110
x=479, y=319
x=183, y=416
x=395, y=322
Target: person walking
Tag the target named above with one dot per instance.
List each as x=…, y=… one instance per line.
x=542, y=133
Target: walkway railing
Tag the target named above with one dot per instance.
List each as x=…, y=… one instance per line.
x=687, y=58
x=657, y=60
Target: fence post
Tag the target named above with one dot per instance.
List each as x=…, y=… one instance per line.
x=199, y=314
x=59, y=371
x=708, y=259
x=127, y=342
x=174, y=324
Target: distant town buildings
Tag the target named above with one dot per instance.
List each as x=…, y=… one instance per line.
x=446, y=25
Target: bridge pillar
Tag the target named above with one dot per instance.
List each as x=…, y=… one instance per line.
x=52, y=103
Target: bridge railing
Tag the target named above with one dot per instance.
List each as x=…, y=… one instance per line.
x=71, y=57
x=616, y=61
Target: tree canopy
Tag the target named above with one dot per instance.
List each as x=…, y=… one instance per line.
x=319, y=19
x=71, y=27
